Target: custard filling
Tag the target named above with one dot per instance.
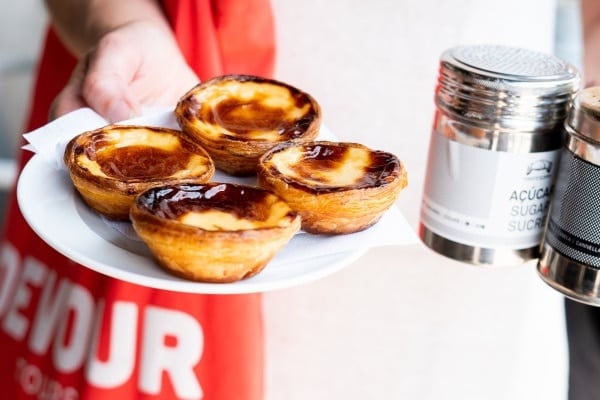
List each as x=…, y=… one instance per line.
x=299, y=164
x=140, y=154
x=218, y=220
x=251, y=110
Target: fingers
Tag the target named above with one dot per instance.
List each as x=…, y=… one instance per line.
x=111, y=68
x=69, y=99
x=134, y=65
x=101, y=82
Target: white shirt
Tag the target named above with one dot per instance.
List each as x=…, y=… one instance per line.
x=404, y=322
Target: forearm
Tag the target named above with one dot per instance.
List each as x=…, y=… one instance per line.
x=80, y=24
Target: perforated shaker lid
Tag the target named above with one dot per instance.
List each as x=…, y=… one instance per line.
x=584, y=117
x=505, y=87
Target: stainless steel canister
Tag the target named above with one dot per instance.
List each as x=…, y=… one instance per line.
x=496, y=137
x=570, y=259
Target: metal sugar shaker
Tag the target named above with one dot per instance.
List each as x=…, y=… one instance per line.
x=495, y=142
x=570, y=259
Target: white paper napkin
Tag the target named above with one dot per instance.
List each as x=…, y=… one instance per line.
x=50, y=140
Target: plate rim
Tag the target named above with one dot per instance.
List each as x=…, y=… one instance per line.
x=36, y=167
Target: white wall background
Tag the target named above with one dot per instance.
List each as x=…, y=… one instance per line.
x=21, y=24
x=400, y=323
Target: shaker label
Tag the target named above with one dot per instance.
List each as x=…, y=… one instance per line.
x=573, y=224
x=575, y=243
x=487, y=198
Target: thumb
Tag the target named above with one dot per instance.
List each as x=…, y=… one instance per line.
x=105, y=87
x=69, y=98
x=118, y=108
x=95, y=86
x=90, y=86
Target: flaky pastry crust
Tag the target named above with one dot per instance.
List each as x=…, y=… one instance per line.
x=337, y=187
x=215, y=232
x=237, y=118
x=110, y=166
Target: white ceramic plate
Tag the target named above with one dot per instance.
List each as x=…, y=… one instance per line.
x=56, y=213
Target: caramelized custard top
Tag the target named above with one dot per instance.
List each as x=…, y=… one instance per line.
x=138, y=153
x=140, y=162
x=329, y=166
x=217, y=206
x=249, y=108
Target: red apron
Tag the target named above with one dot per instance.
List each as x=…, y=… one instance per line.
x=67, y=332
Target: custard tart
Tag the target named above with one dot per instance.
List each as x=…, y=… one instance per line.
x=336, y=187
x=213, y=232
x=110, y=166
x=237, y=118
